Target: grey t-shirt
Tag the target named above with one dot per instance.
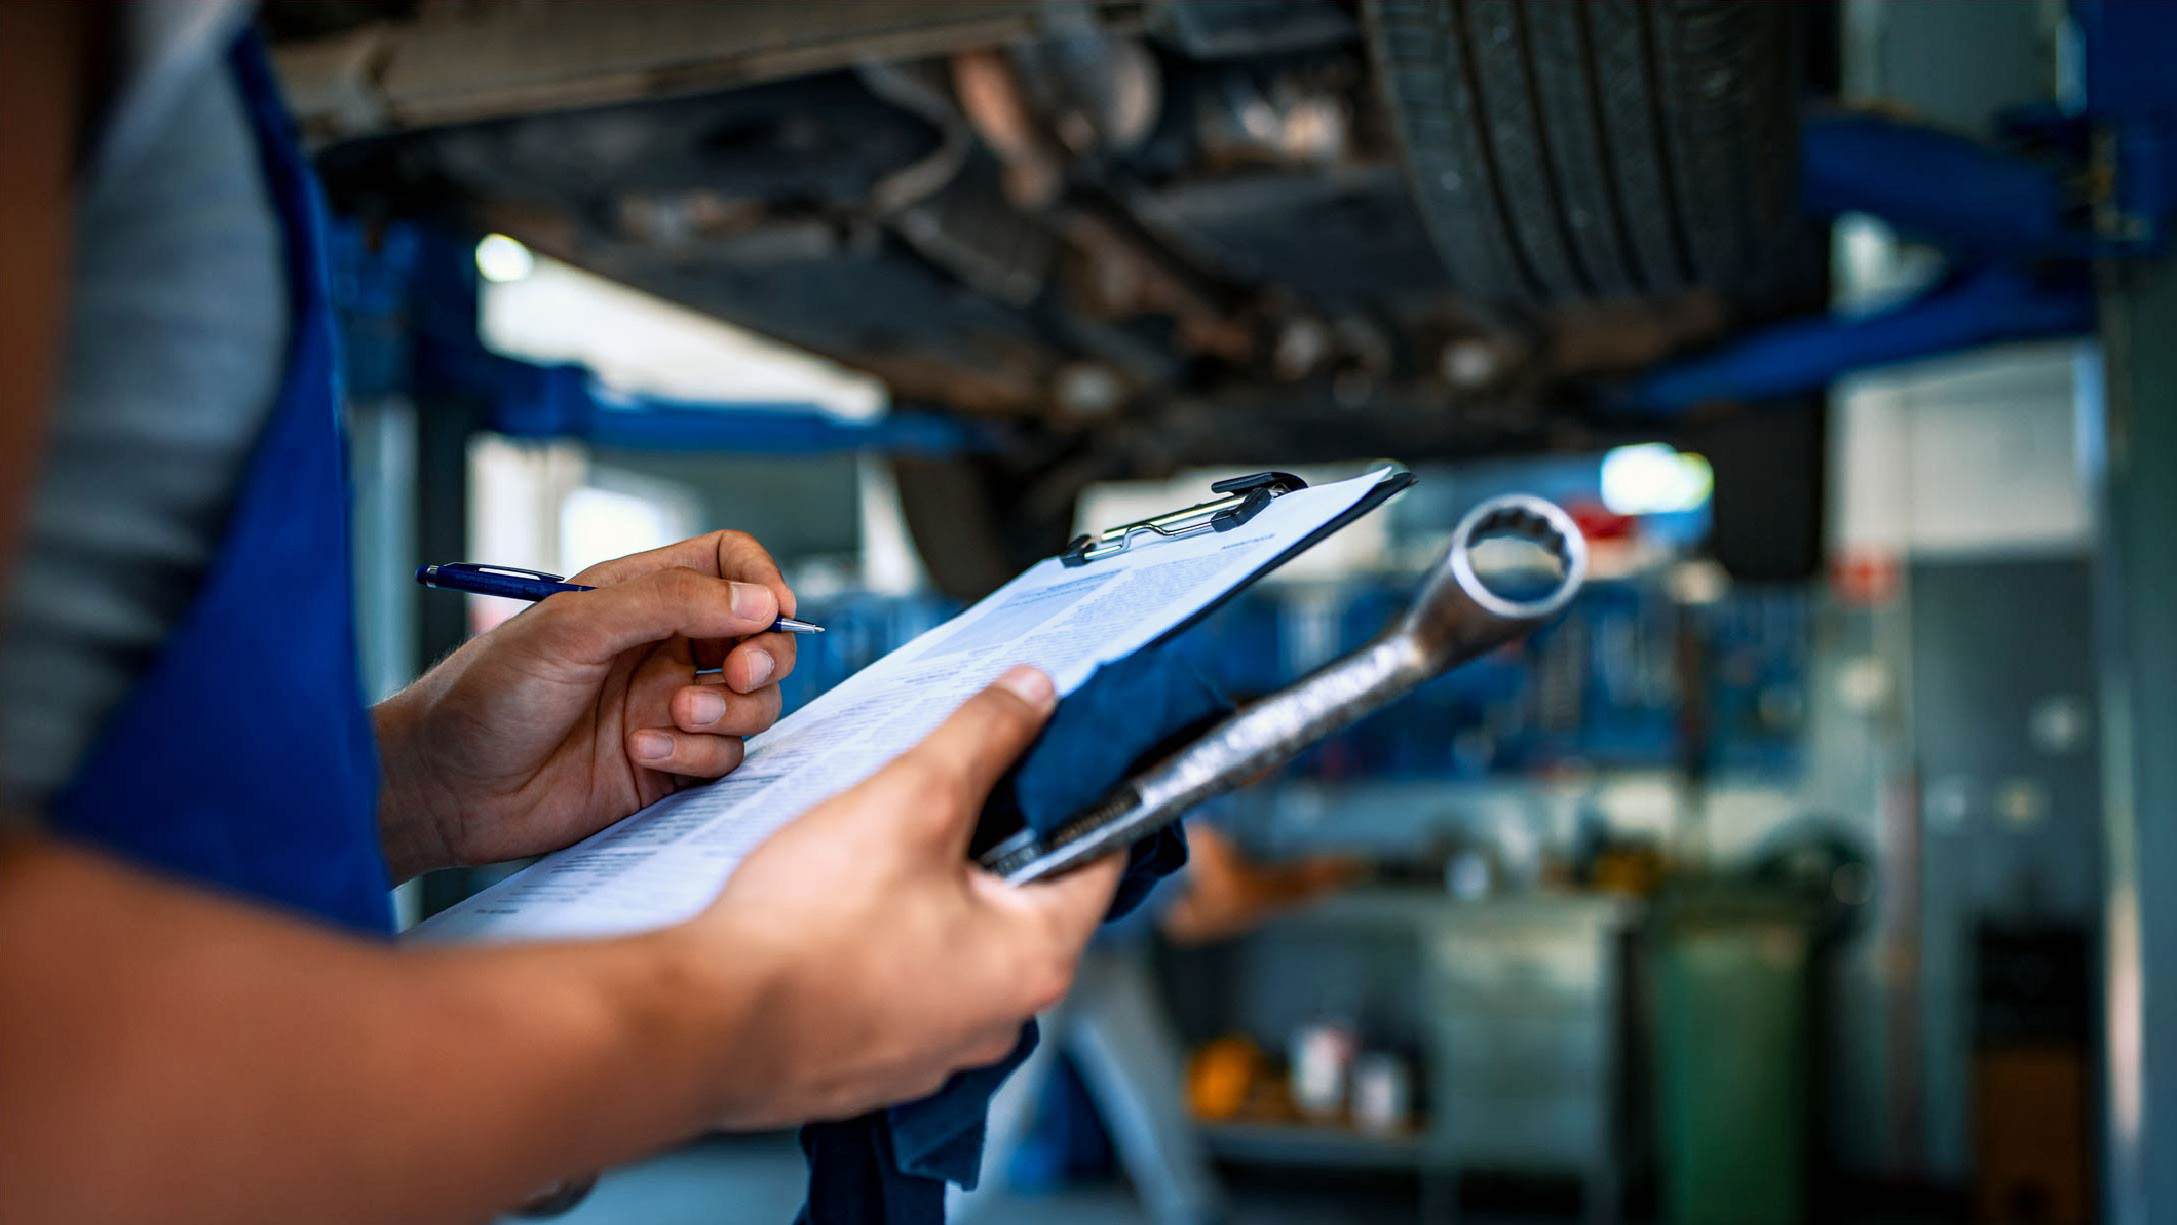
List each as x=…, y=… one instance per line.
x=175, y=341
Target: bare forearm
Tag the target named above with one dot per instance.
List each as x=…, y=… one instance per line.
x=42, y=92
x=176, y=1058
x=408, y=829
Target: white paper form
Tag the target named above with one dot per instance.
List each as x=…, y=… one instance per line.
x=665, y=863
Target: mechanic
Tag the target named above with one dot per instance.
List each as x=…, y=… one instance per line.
x=203, y=1020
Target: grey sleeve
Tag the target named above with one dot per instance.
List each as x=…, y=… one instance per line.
x=173, y=350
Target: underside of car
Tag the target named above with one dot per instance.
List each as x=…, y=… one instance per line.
x=1138, y=236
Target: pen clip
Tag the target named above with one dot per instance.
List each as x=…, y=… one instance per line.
x=470, y=567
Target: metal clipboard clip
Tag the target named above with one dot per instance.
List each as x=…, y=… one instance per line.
x=1245, y=497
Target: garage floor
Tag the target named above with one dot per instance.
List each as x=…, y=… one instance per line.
x=759, y=1179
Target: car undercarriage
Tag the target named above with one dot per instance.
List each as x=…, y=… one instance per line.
x=1138, y=236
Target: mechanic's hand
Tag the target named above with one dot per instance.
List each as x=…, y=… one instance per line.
x=586, y=707
x=888, y=960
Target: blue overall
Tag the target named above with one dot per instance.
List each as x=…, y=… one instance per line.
x=243, y=757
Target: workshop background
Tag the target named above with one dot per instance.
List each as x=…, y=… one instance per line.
x=1800, y=873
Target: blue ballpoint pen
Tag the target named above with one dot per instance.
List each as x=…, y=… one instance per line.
x=515, y=583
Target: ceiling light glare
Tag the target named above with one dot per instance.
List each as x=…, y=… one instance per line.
x=1653, y=478
x=501, y=259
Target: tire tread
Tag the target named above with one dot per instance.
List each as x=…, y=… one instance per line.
x=1570, y=149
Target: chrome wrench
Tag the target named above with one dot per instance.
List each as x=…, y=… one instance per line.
x=1454, y=617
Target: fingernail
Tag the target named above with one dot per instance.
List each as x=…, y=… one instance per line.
x=706, y=707
x=1028, y=683
x=751, y=602
x=760, y=668
x=650, y=746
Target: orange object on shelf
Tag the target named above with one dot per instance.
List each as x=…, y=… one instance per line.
x=1221, y=1076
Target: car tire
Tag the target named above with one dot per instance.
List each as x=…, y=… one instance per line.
x=1587, y=149
x=977, y=521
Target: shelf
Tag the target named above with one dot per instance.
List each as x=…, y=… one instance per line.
x=1420, y=909
x=1314, y=1144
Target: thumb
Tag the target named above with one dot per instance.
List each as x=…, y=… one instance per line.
x=970, y=750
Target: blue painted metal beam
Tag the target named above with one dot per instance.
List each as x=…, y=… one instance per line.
x=1981, y=306
x=407, y=298
x=1966, y=197
x=522, y=399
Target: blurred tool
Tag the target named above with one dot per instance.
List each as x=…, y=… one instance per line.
x=1222, y=1075
x=1383, y=1093
x=1322, y=1063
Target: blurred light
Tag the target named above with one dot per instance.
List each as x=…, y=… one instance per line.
x=502, y=259
x=1653, y=478
x=1863, y=684
x=1468, y=877
x=1698, y=581
x=597, y=524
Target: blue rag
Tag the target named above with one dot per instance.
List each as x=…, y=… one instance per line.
x=890, y=1167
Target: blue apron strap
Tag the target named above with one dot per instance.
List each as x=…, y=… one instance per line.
x=243, y=757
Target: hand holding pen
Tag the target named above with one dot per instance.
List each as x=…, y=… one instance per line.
x=554, y=724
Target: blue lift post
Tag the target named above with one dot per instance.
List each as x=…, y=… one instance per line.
x=2131, y=95
x=391, y=286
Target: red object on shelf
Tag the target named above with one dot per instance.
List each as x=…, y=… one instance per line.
x=1865, y=577
x=1599, y=523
